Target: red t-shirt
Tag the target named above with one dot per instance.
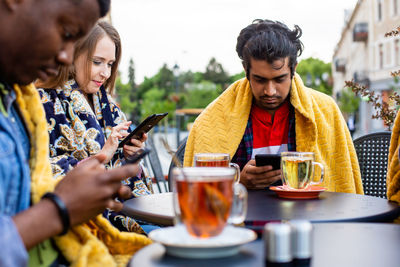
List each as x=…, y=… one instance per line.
x=270, y=133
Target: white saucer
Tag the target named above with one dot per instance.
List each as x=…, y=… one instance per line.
x=179, y=243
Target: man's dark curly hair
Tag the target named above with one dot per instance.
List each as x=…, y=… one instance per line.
x=269, y=40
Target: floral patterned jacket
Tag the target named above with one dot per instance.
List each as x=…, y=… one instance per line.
x=76, y=132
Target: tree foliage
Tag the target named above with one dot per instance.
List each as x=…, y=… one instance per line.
x=348, y=102
x=215, y=72
x=316, y=74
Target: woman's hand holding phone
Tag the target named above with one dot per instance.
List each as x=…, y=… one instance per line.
x=134, y=146
x=118, y=132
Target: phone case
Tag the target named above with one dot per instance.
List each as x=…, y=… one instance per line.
x=141, y=153
x=269, y=159
x=143, y=127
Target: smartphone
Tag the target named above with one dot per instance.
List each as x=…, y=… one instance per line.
x=143, y=127
x=269, y=159
x=138, y=155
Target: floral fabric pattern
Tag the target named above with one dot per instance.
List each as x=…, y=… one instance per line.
x=77, y=132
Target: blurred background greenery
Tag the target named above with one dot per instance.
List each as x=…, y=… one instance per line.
x=171, y=89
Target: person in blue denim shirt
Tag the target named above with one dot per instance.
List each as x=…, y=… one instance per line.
x=36, y=36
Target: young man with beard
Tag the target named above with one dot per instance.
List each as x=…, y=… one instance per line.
x=271, y=111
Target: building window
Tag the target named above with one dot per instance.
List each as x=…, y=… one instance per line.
x=379, y=10
x=381, y=56
x=395, y=8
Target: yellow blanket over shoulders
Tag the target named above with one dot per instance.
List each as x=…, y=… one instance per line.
x=320, y=128
x=393, y=174
x=96, y=243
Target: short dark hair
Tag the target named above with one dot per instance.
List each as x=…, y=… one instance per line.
x=269, y=40
x=104, y=7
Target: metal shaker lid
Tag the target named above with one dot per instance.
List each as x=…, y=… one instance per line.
x=277, y=242
x=301, y=238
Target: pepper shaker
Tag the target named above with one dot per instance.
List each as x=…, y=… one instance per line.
x=302, y=236
x=277, y=245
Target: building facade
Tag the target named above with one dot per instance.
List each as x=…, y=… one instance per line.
x=365, y=55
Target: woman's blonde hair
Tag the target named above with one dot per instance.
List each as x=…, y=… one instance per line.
x=88, y=45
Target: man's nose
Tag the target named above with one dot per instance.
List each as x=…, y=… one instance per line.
x=269, y=89
x=65, y=55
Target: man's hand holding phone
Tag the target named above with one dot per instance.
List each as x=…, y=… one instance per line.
x=97, y=187
x=254, y=177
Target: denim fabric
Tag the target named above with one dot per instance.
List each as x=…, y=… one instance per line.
x=14, y=180
x=13, y=252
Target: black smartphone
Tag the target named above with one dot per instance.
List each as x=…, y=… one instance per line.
x=143, y=127
x=269, y=159
x=135, y=157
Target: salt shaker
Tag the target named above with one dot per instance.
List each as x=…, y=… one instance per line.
x=302, y=236
x=277, y=244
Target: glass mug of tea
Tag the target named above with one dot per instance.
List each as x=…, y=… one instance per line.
x=207, y=198
x=298, y=169
x=216, y=160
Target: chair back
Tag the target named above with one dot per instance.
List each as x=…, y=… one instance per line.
x=155, y=165
x=372, y=152
x=179, y=154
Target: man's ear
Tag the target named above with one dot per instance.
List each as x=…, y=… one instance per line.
x=245, y=71
x=12, y=4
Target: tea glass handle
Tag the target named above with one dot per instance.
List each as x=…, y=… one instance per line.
x=322, y=172
x=239, y=205
x=237, y=177
x=175, y=200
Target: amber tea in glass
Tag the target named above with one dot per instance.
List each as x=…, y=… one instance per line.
x=216, y=160
x=205, y=196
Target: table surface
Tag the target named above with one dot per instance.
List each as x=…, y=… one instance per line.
x=265, y=205
x=334, y=244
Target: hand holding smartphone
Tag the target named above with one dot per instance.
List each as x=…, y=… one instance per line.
x=143, y=127
x=138, y=155
x=269, y=159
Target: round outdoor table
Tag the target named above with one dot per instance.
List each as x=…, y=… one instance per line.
x=334, y=244
x=265, y=206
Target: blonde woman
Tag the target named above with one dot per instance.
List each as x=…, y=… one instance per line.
x=83, y=118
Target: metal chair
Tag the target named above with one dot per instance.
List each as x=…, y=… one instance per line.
x=153, y=163
x=372, y=152
x=179, y=154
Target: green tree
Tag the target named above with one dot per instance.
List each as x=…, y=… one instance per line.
x=131, y=73
x=128, y=95
x=154, y=101
x=316, y=74
x=123, y=97
x=237, y=76
x=202, y=94
x=347, y=101
x=216, y=73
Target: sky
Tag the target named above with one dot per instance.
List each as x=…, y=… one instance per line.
x=190, y=32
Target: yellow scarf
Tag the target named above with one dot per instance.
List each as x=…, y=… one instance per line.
x=393, y=174
x=96, y=243
x=320, y=128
